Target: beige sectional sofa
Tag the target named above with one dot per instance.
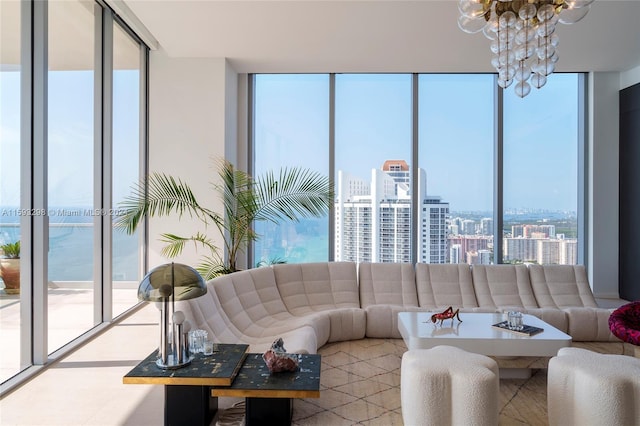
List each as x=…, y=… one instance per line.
x=311, y=304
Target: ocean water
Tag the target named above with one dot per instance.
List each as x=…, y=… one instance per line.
x=71, y=251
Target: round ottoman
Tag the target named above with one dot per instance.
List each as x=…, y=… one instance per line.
x=585, y=388
x=624, y=323
x=448, y=386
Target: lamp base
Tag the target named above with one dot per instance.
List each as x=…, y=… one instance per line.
x=172, y=364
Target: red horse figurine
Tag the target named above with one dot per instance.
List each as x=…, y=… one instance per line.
x=446, y=314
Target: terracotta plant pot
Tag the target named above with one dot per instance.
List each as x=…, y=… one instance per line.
x=10, y=273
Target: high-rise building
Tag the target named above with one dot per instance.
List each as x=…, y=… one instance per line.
x=455, y=254
x=373, y=220
x=528, y=231
x=558, y=251
x=520, y=249
x=486, y=226
x=468, y=227
x=484, y=257
x=470, y=243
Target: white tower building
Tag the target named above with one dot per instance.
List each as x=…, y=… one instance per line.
x=373, y=220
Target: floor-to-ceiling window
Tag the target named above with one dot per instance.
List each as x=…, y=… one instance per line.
x=10, y=209
x=457, y=138
x=373, y=167
x=541, y=173
x=70, y=162
x=475, y=151
x=126, y=149
x=72, y=93
x=292, y=130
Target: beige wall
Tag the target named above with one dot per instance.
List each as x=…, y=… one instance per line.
x=192, y=122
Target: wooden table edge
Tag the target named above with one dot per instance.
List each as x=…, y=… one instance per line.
x=265, y=393
x=197, y=381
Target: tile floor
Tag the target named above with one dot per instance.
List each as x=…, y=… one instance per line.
x=360, y=385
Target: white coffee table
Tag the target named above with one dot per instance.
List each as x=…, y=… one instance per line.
x=475, y=334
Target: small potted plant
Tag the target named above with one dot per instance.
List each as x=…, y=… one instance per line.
x=10, y=267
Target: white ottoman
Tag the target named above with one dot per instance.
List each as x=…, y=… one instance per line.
x=448, y=386
x=588, y=388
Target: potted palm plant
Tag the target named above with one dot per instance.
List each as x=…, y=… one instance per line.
x=10, y=267
x=291, y=194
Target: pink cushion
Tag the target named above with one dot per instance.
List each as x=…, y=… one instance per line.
x=624, y=323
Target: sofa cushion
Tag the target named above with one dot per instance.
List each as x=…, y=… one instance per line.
x=555, y=317
x=442, y=285
x=561, y=286
x=589, y=324
x=251, y=301
x=205, y=313
x=326, y=289
x=387, y=284
x=317, y=286
x=382, y=320
x=503, y=286
x=385, y=290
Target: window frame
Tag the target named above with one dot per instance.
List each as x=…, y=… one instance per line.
x=498, y=161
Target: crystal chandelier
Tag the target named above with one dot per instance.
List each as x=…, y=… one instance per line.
x=522, y=35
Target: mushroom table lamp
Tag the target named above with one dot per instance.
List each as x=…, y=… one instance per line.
x=164, y=284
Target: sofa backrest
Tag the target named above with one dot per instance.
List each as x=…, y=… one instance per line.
x=442, y=285
x=561, y=286
x=251, y=299
x=503, y=286
x=317, y=286
x=388, y=284
x=205, y=313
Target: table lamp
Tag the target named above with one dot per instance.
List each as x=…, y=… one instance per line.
x=164, y=284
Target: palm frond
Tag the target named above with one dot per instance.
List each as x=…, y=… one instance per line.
x=212, y=267
x=240, y=206
x=294, y=193
x=291, y=194
x=175, y=243
x=161, y=195
x=271, y=261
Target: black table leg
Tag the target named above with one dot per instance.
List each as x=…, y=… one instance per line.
x=271, y=411
x=189, y=405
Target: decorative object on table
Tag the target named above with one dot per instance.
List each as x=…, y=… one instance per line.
x=514, y=320
x=196, y=340
x=291, y=194
x=277, y=358
x=208, y=347
x=526, y=330
x=166, y=284
x=448, y=313
x=624, y=323
x=522, y=34
x=10, y=267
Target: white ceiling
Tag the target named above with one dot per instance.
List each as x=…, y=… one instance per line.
x=370, y=36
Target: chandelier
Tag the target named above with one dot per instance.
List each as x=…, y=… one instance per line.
x=522, y=34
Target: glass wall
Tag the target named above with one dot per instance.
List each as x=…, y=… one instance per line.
x=456, y=145
x=72, y=111
x=373, y=168
x=292, y=130
x=447, y=122
x=10, y=207
x=70, y=170
x=541, y=174
x=126, y=253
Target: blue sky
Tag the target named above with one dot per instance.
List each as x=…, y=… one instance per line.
x=70, y=137
x=373, y=123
